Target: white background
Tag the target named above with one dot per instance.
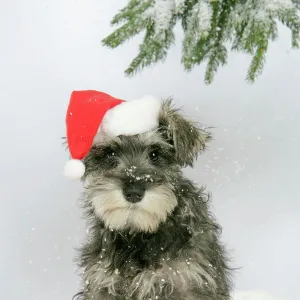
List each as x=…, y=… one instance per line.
x=49, y=48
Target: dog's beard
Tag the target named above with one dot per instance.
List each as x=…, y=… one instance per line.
x=145, y=216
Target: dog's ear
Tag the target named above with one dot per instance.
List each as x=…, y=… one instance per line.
x=187, y=137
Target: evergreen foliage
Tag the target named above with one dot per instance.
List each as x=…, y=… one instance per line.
x=211, y=28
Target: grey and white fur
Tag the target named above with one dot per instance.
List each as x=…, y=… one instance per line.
x=151, y=235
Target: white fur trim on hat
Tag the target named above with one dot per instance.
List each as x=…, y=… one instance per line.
x=132, y=117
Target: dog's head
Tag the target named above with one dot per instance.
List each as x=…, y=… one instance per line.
x=130, y=180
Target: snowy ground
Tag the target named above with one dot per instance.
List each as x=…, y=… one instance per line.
x=254, y=295
x=49, y=48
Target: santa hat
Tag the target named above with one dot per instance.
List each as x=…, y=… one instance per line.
x=91, y=113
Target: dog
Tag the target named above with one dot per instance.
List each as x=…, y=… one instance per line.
x=151, y=234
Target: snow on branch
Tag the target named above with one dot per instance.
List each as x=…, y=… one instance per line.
x=209, y=27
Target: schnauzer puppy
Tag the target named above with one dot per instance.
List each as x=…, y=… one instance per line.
x=151, y=235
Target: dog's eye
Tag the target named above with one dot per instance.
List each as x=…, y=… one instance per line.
x=108, y=152
x=109, y=158
x=154, y=155
x=111, y=153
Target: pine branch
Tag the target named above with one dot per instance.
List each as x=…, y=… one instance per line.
x=255, y=24
x=134, y=9
x=208, y=25
x=219, y=23
x=151, y=50
x=132, y=15
x=297, y=3
x=197, y=24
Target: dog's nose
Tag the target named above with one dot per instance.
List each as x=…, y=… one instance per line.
x=134, y=193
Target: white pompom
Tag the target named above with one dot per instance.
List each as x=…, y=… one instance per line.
x=74, y=169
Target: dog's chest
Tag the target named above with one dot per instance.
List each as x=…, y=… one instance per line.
x=137, y=265
x=134, y=282
x=126, y=268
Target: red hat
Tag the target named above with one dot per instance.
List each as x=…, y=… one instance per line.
x=91, y=111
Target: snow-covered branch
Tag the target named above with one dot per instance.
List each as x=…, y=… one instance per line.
x=209, y=27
